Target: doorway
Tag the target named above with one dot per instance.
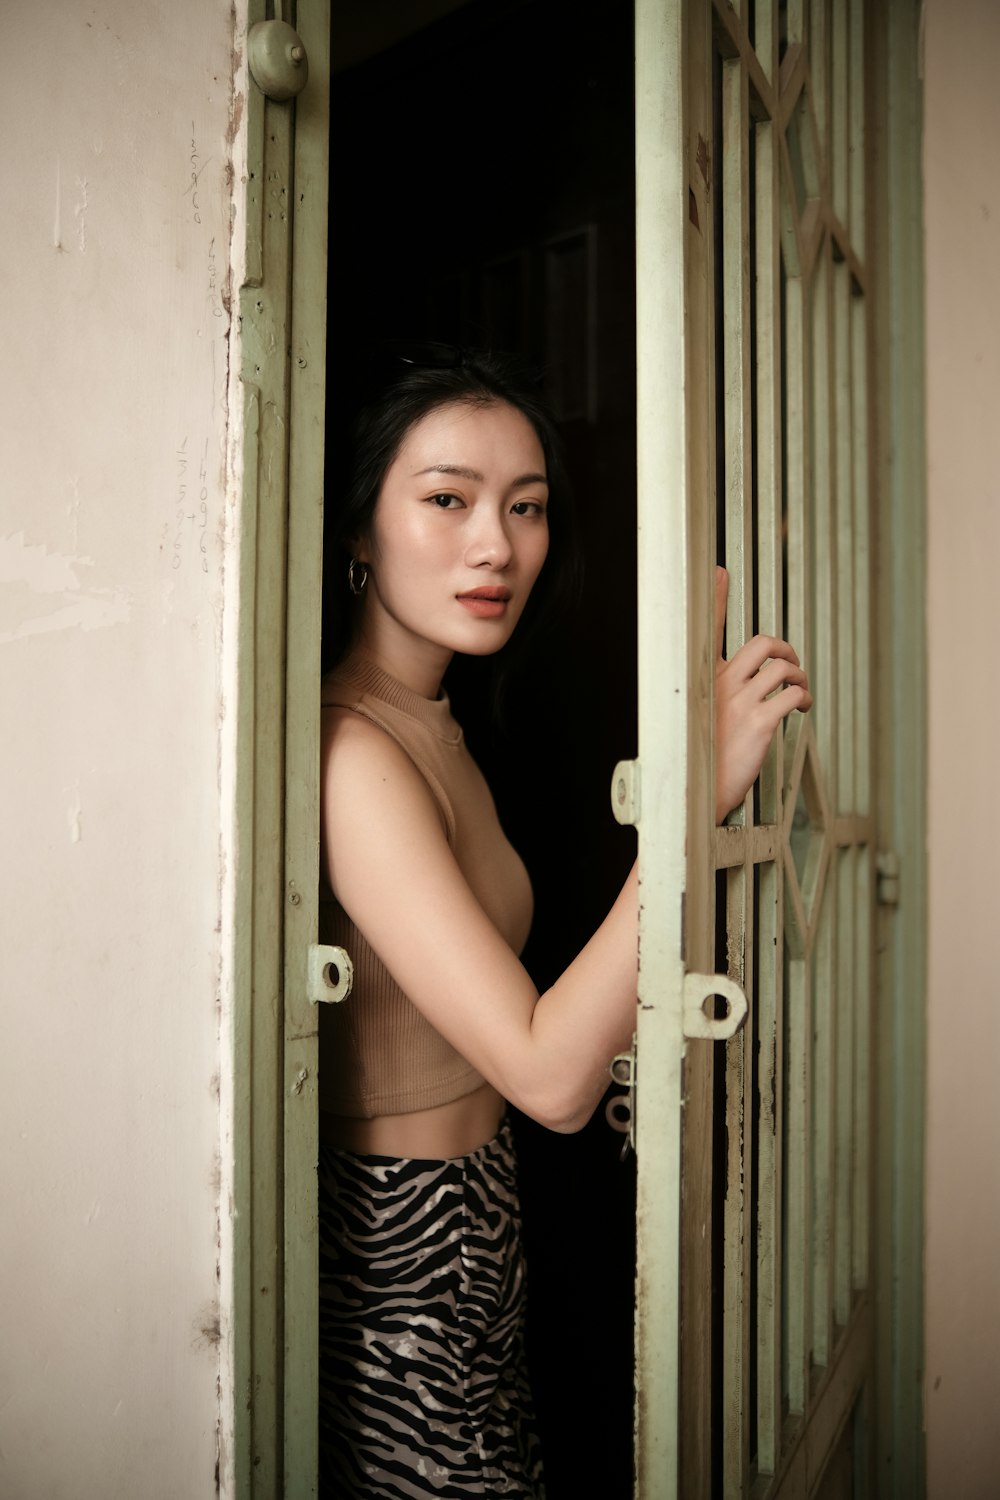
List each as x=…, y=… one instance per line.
x=482, y=194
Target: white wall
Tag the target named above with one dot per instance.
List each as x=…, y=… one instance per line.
x=113, y=414
x=962, y=216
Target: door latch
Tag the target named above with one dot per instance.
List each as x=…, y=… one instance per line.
x=330, y=974
x=698, y=1024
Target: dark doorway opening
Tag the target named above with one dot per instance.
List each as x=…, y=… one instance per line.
x=482, y=193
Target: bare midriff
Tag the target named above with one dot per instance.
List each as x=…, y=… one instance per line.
x=437, y=1134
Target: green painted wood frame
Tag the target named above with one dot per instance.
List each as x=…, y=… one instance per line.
x=282, y=352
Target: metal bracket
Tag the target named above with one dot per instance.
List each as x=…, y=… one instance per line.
x=625, y=791
x=277, y=60
x=701, y=987
x=330, y=974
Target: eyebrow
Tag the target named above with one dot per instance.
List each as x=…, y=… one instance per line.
x=461, y=472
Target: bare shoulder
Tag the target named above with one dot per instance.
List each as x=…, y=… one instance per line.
x=356, y=752
x=374, y=800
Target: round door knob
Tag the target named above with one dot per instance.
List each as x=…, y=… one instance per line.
x=278, y=59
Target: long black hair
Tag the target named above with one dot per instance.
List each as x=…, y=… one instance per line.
x=399, y=386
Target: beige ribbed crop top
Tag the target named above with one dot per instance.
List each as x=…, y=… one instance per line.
x=379, y=1055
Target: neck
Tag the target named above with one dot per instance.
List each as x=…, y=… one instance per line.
x=417, y=664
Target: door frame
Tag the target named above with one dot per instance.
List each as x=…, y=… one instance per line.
x=896, y=216
x=269, y=1435
x=269, y=1073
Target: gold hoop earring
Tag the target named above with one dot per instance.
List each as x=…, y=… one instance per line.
x=355, y=584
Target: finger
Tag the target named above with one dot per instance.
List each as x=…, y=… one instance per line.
x=782, y=704
x=776, y=674
x=751, y=657
x=721, y=599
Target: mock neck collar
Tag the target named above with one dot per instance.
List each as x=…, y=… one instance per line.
x=435, y=714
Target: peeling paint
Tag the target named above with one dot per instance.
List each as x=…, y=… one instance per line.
x=73, y=815
x=41, y=574
x=57, y=226
x=80, y=213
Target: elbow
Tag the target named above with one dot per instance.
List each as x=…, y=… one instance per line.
x=562, y=1110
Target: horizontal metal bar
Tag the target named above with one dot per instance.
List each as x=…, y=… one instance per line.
x=740, y=845
x=852, y=829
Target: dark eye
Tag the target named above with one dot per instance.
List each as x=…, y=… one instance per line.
x=527, y=508
x=445, y=502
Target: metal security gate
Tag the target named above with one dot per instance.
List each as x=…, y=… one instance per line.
x=754, y=1153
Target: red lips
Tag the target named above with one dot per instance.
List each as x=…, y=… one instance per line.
x=488, y=602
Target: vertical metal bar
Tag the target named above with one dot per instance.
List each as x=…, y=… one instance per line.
x=798, y=1020
x=736, y=352
x=842, y=788
x=856, y=127
x=822, y=1094
x=698, y=1123
x=863, y=675
x=799, y=622
x=861, y=1216
x=822, y=558
x=797, y=1261
x=768, y=456
x=843, y=1003
x=306, y=417
x=739, y=1188
x=823, y=661
x=661, y=216
x=863, y=617
x=770, y=1071
x=819, y=71
x=770, y=928
x=766, y=38
x=839, y=112
x=739, y=461
x=843, y=792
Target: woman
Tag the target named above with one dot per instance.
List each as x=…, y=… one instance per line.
x=456, y=513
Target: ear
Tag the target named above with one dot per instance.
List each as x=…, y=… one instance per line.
x=358, y=548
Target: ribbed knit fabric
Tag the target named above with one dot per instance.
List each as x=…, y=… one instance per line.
x=379, y=1055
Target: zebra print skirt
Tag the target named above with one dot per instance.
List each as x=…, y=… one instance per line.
x=423, y=1386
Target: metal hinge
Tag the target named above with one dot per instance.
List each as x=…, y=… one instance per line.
x=619, y=1110
x=330, y=974
x=887, y=881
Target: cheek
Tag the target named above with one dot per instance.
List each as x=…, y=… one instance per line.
x=541, y=552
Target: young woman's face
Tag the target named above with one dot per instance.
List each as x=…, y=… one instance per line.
x=459, y=533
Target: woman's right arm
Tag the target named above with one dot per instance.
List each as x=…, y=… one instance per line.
x=388, y=860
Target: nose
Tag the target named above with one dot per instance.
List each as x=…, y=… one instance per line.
x=489, y=543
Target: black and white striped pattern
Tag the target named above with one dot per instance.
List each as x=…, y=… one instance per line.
x=423, y=1389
